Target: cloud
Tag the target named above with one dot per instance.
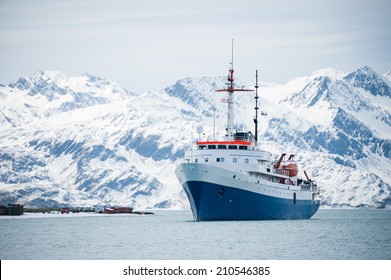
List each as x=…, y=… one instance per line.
x=130, y=41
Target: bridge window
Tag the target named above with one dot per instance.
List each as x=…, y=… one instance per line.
x=211, y=147
x=232, y=147
x=201, y=147
x=222, y=146
x=242, y=147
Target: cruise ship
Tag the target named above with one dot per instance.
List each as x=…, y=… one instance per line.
x=233, y=179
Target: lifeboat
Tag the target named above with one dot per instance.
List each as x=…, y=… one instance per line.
x=291, y=167
x=288, y=167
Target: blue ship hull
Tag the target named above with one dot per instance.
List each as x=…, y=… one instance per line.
x=217, y=202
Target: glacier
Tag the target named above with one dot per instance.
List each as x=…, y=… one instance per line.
x=87, y=141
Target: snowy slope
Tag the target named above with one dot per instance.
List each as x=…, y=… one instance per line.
x=88, y=141
x=50, y=92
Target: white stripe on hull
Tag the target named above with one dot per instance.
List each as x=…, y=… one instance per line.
x=216, y=175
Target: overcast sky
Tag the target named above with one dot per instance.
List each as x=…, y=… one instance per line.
x=149, y=44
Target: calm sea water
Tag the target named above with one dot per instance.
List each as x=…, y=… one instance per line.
x=330, y=234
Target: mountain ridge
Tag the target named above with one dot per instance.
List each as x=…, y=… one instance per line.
x=111, y=146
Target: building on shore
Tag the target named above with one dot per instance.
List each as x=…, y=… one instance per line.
x=11, y=210
x=65, y=210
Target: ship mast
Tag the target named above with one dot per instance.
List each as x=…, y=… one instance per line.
x=256, y=107
x=231, y=89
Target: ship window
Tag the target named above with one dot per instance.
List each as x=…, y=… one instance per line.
x=222, y=146
x=196, y=160
x=187, y=160
x=206, y=159
x=211, y=146
x=222, y=159
x=232, y=147
x=234, y=160
x=242, y=147
x=218, y=159
x=241, y=136
x=201, y=147
x=246, y=160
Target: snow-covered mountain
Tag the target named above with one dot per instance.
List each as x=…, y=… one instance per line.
x=88, y=141
x=46, y=93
